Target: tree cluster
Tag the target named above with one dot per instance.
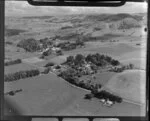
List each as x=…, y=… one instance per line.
x=21, y=75
x=45, y=42
x=30, y=45
x=47, y=53
x=70, y=46
x=122, y=68
x=72, y=75
x=49, y=64
x=17, y=61
x=106, y=95
x=97, y=59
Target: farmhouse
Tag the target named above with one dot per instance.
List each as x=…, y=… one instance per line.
x=109, y=103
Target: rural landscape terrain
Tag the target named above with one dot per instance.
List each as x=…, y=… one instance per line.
x=76, y=65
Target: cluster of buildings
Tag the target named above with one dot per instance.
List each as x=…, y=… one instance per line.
x=107, y=102
x=52, y=49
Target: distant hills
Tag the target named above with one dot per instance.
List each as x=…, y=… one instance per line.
x=100, y=17
x=113, y=17
x=70, y=25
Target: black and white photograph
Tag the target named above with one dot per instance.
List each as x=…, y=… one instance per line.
x=75, y=60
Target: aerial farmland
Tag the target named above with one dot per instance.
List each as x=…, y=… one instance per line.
x=76, y=65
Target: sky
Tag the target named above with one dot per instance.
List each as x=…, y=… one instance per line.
x=22, y=8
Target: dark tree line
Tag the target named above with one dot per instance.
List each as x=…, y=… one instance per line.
x=97, y=59
x=49, y=64
x=21, y=75
x=70, y=46
x=17, y=61
x=106, y=95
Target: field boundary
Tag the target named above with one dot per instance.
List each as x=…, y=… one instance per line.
x=72, y=84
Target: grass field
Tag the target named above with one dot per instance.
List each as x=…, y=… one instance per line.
x=17, y=67
x=114, y=50
x=129, y=85
x=104, y=77
x=138, y=63
x=43, y=95
x=50, y=95
x=100, y=77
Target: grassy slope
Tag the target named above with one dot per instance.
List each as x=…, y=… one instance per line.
x=43, y=95
x=129, y=85
x=49, y=95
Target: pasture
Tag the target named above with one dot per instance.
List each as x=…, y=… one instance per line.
x=50, y=95
x=17, y=67
x=130, y=85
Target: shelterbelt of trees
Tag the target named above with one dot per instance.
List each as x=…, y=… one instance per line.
x=17, y=61
x=96, y=59
x=21, y=75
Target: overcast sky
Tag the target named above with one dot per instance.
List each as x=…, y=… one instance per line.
x=22, y=8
